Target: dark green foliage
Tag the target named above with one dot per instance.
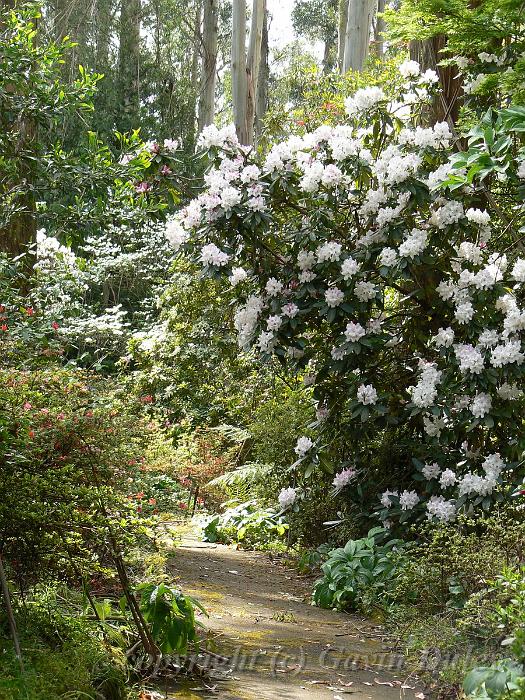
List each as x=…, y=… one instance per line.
x=171, y=616
x=359, y=576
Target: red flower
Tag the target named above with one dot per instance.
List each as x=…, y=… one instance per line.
x=166, y=170
x=182, y=505
x=30, y=311
x=55, y=325
x=3, y=327
x=142, y=187
x=139, y=495
x=146, y=399
x=27, y=406
x=152, y=501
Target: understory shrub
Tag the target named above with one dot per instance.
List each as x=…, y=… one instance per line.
x=360, y=575
x=66, y=653
x=247, y=524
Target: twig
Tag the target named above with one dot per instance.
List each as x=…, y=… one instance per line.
x=10, y=615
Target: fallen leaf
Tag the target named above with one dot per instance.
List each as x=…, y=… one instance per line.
x=376, y=680
x=419, y=696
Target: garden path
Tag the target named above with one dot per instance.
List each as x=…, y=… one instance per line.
x=279, y=646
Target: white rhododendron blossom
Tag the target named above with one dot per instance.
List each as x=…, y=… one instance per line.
x=372, y=274
x=408, y=500
x=287, y=497
x=366, y=394
x=343, y=478
x=304, y=444
x=431, y=471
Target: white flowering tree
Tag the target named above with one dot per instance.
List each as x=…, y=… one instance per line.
x=368, y=261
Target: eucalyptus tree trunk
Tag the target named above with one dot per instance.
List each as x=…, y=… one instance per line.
x=341, y=34
x=209, y=63
x=357, y=39
x=261, y=105
x=238, y=69
x=129, y=61
x=253, y=64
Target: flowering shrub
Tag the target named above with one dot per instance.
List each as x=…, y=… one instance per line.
x=65, y=447
x=358, y=257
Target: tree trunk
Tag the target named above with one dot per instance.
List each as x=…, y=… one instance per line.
x=447, y=104
x=341, y=36
x=129, y=62
x=379, y=38
x=253, y=64
x=238, y=69
x=209, y=63
x=262, y=84
x=357, y=40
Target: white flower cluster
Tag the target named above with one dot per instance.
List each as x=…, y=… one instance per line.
x=343, y=478
x=287, y=497
x=425, y=392
x=357, y=270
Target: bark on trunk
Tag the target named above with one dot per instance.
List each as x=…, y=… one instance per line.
x=446, y=105
x=253, y=64
x=209, y=63
x=238, y=69
x=341, y=36
x=262, y=84
x=357, y=40
x=379, y=40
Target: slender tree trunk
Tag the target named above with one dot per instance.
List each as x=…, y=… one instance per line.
x=195, y=73
x=129, y=61
x=253, y=64
x=10, y=614
x=262, y=84
x=209, y=63
x=238, y=69
x=357, y=41
x=341, y=35
x=379, y=34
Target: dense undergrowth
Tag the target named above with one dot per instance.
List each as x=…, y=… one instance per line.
x=127, y=404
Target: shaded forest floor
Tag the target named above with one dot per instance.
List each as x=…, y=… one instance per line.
x=279, y=646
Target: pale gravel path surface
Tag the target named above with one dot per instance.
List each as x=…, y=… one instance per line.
x=279, y=646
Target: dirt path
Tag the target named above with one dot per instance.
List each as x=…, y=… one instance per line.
x=279, y=646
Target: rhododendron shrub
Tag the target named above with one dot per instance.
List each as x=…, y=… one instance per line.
x=356, y=264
